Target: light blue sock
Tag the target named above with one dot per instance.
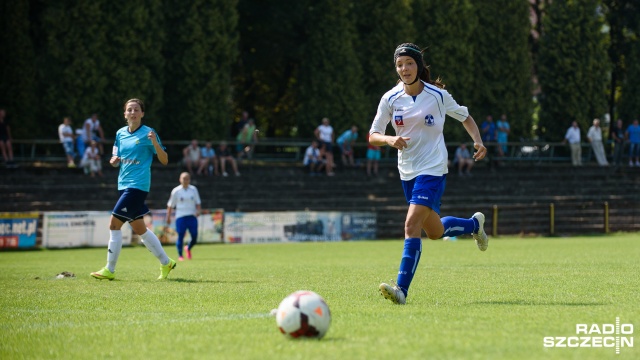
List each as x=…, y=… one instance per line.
x=409, y=264
x=454, y=226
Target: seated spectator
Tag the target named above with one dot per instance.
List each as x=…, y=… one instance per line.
x=313, y=162
x=191, y=156
x=224, y=155
x=80, y=146
x=91, y=160
x=65, y=133
x=247, y=138
x=208, y=160
x=345, y=142
x=463, y=159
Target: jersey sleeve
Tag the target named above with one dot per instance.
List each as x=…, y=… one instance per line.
x=458, y=112
x=198, y=201
x=116, y=146
x=382, y=118
x=172, y=199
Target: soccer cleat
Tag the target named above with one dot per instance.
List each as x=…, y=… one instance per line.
x=393, y=293
x=482, y=240
x=180, y=258
x=166, y=269
x=103, y=273
x=188, y=252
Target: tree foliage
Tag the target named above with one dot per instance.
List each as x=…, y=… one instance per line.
x=573, y=67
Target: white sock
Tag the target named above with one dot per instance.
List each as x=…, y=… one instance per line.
x=151, y=241
x=115, y=245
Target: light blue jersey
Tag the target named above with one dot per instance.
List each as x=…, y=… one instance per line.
x=136, y=153
x=347, y=137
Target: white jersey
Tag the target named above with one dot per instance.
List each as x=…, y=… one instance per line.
x=65, y=130
x=325, y=133
x=422, y=120
x=184, y=200
x=93, y=129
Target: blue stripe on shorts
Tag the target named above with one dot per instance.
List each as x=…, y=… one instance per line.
x=425, y=190
x=131, y=204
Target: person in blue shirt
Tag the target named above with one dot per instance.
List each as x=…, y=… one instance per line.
x=133, y=151
x=503, y=130
x=633, y=135
x=489, y=131
x=345, y=142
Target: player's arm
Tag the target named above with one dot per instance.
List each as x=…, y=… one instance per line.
x=162, y=155
x=472, y=128
x=398, y=142
x=168, y=218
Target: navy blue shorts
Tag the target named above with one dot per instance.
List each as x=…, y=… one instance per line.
x=327, y=145
x=131, y=205
x=425, y=190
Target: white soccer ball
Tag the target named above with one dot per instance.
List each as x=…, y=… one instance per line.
x=303, y=314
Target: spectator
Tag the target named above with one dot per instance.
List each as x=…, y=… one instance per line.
x=91, y=161
x=489, y=137
x=346, y=142
x=236, y=127
x=617, y=134
x=133, y=152
x=463, y=160
x=186, y=200
x=503, y=130
x=224, y=155
x=247, y=138
x=324, y=134
x=93, y=131
x=594, y=135
x=208, y=160
x=65, y=133
x=312, y=161
x=80, y=146
x=191, y=156
x=373, y=158
x=633, y=135
x=422, y=159
x=6, y=139
x=573, y=137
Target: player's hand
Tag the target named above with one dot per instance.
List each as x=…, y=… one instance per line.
x=398, y=142
x=152, y=136
x=480, y=153
x=114, y=161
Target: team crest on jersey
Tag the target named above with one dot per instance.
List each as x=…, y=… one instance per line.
x=429, y=120
x=398, y=120
x=137, y=142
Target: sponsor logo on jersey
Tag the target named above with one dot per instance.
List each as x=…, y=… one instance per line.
x=398, y=120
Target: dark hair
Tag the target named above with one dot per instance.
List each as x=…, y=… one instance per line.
x=413, y=50
x=137, y=101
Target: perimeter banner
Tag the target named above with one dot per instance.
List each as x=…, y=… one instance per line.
x=79, y=228
x=18, y=230
x=291, y=226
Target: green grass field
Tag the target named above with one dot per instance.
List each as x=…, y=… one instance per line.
x=463, y=304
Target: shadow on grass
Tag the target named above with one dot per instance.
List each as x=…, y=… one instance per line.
x=195, y=281
x=539, y=303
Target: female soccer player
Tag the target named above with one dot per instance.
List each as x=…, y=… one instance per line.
x=416, y=108
x=133, y=151
x=186, y=199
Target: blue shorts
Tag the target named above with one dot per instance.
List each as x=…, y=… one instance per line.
x=373, y=154
x=328, y=146
x=68, y=147
x=634, y=150
x=425, y=190
x=131, y=205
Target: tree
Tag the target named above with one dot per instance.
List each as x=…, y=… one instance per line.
x=201, y=47
x=573, y=67
x=17, y=69
x=330, y=78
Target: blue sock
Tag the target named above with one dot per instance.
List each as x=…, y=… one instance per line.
x=454, y=226
x=409, y=264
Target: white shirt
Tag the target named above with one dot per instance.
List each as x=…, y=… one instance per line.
x=90, y=153
x=184, y=200
x=311, y=154
x=573, y=135
x=325, y=133
x=93, y=129
x=65, y=130
x=595, y=133
x=421, y=120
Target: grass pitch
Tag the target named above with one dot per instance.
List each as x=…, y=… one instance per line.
x=463, y=304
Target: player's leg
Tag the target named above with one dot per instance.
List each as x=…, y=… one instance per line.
x=181, y=229
x=192, y=225
x=113, y=250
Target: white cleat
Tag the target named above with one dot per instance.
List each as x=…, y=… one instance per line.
x=482, y=240
x=393, y=293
